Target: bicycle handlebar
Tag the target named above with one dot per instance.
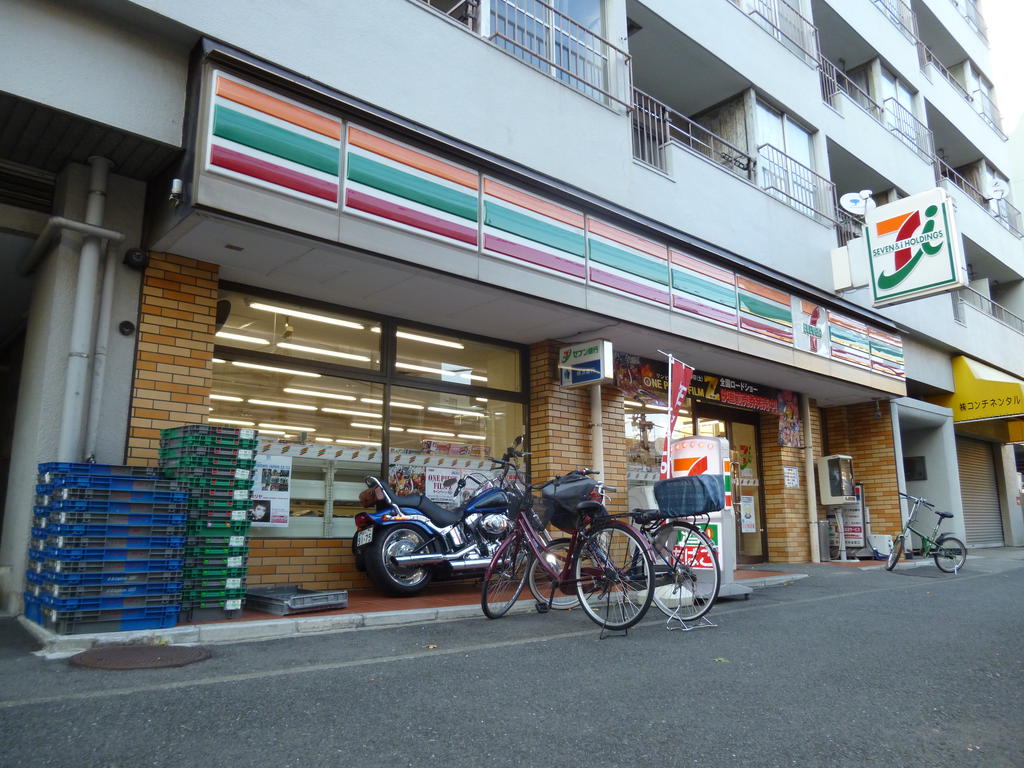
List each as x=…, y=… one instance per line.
x=917, y=499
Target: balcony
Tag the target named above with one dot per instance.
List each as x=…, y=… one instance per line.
x=908, y=128
x=985, y=305
x=900, y=15
x=549, y=41
x=796, y=185
x=998, y=208
x=784, y=22
x=989, y=112
x=979, y=101
x=969, y=9
x=836, y=83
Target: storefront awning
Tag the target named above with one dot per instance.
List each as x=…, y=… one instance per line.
x=982, y=392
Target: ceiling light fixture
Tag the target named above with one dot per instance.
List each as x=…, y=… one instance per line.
x=238, y=422
x=461, y=373
x=293, y=313
x=218, y=360
x=278, y=404
x=369, y=443
x=228, y=398
x=275, y=369
x=315, y=393
x=288, y=428
x=321, y=351
x=473, y=437
x=394, y=404
x=359, y=425
x=365, y=414
x=455, y=411
x=240, y=337
x=430, y=432
x=429, y=340
x=271, y=432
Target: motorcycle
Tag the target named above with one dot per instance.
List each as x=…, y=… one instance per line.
x=407, y=540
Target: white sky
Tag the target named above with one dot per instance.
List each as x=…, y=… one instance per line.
x=1005, y=22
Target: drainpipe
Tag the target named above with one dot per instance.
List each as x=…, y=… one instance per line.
x=99, y=366
x=80, y=350
x=596, y=430
x=812, y=488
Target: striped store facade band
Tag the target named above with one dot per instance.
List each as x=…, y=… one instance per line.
x=849, y=339
x=703, y=290
x=273, y=142
x=765, y=311
x=626, y=263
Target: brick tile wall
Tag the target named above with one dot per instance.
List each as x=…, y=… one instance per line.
x=309, y=563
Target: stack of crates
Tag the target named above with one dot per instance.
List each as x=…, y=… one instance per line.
x=107, y=549
x=217, y=466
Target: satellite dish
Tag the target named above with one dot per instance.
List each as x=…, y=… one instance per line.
x=857, y=203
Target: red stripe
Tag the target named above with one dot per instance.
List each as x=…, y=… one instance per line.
x=534, y=256
x=706, y=311
x=766, y=330
x=231, y=160
x=399, y=213
x=627, y=286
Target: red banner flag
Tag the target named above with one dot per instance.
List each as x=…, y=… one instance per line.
x=679, y=375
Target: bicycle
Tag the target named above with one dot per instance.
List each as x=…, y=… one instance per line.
x=605, y=562
x=948, y=551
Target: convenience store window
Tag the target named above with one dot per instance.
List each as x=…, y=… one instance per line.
x=388, y=396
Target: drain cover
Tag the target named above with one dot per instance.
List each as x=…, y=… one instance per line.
x=139, y=656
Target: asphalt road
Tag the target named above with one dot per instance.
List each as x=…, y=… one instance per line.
x=844, y=668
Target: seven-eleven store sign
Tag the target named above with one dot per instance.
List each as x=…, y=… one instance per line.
x=914, y=248
x=700, y=456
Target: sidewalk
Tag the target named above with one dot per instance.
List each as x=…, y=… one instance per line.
x=365, y=611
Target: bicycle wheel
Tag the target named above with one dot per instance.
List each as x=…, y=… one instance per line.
x=687, y=573
x=950, y=554
x=895, y=553
x=614, y=576
x=505, y=576
x=563, y=597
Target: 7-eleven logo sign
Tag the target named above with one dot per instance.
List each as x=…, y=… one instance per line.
x=913, y=248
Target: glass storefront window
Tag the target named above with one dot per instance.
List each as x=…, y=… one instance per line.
x=441, y=357
x=646, y=424
x=287, y=328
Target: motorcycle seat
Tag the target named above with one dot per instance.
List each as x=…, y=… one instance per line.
x=437, y=514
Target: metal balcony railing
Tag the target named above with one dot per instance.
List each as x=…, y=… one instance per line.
x=463, y=11
x=984, y=304
x=835, y=82
x=656, y=125
x=785, y=23
x=795, y=184
x=548, y=40
x=989, y=112
x=999, y=209
x=926, y=57
x=901, y=15
x=908, y=128
x=848, y=227
x=974, y=18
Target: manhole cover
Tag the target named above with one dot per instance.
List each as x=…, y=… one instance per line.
x=139, y=656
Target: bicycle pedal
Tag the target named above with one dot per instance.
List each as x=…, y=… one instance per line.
x=542, y=607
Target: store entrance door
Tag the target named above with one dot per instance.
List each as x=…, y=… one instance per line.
x=741, y=430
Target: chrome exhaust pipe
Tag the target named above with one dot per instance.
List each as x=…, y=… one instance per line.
x=431, y=558
x=471, y=564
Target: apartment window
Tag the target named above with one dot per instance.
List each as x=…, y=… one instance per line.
x=786, y=159
x=394, y=400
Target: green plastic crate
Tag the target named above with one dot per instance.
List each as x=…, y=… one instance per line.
x=217, y=528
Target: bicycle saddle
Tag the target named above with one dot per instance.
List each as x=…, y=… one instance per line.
x=942, y=514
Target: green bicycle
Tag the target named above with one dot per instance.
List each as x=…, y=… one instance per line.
x=947, y=550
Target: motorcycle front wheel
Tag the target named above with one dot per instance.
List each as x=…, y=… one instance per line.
x=381, y=567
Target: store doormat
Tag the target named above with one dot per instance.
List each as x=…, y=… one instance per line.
x=139, y=656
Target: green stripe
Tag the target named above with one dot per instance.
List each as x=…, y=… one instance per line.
x=849, y=338
x=610, y=256
x=765, y=309
x=704, y=289
x=886, y=351
x=395, y=182
x=532, y=228
x=234, y=126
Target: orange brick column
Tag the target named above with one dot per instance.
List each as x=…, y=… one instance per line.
x=560, y=436
x=786, y=508
x=174, y=353
x=856, y=430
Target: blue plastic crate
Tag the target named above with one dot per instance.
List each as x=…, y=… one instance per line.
x=33, y=608
x=105, y=578
x=103, y=507
x=82, y=468
x=79, y=622
x=75, y=517
x=103, y=555
x=113, y=482
x=59, y=603
x=115, y=567
x=44, y=585
x=47, y=537
x=48, y=494
x=112, y=531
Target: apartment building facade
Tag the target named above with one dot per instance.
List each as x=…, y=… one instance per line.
x=367, y=229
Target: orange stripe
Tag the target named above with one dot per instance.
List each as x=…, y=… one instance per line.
x=627, y=239
x=702, y=267
x=846, y=322
x=412, y=158
x=531, y=203
x=268, y=105
x=891, y=225
x=762, y=290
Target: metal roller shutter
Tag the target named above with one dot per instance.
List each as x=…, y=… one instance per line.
x=983, y=520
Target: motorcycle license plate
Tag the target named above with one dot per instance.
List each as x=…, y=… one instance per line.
x=364, y=537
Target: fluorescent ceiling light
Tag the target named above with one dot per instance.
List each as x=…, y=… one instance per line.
x=271, y=432
x=314, y=393
x=396, y=429
x=359, y=425
x=429, y=340
x=462, y=374
x=321, y=351
x=278, y=404
x=305, y=315
x=357, y=442
x=430, y=432
x=229, y=398
x=288, y=428
x=218, y=360
x=480, y=399
x=353, y=413
x=473, y=437
x=240, y=337
x=394, y=404
x=324, y=439
x=455, y=411
x=275, y=369
x=239, y=422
